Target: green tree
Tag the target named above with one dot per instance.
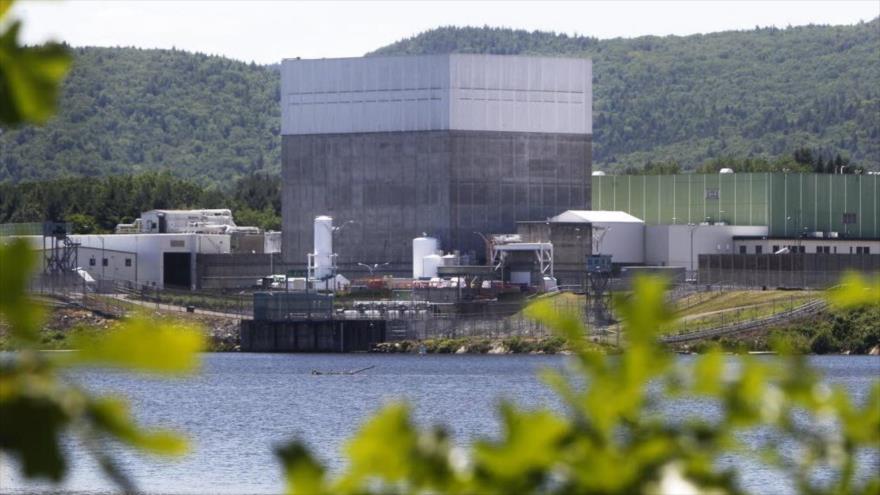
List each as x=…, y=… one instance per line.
x=612, y=438
x=38, y=403
x=29, y=75
x=82, y=223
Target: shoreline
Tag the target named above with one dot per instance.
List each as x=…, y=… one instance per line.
x=563, y=352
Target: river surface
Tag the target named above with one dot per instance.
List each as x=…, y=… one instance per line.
x=241, y=405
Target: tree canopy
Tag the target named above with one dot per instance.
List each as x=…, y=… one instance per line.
x=690, y=99
x=98, y=205
x=758, y=94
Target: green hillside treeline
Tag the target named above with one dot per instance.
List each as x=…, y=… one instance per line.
x=765, y=92
x=98, y=205
x=685, y=100
x=127, y=110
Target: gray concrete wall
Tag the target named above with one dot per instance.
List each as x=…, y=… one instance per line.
x=393, y=186
x=449, y=184
x=311, y=336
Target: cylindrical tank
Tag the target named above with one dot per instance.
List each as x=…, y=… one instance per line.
x=323, y=247
x=422, y=246
x=598, y=173
x=430, y=263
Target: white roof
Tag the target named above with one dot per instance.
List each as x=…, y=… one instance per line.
x=595, y=216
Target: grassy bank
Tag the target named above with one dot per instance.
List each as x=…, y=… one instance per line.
x=233, y=304
x=838, y=331
x=706, y=302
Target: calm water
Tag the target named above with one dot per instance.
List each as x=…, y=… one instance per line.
x=241, y=405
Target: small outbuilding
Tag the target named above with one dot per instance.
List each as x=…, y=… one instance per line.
x=614, y=233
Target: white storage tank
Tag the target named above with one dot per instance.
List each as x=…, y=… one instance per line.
x=323, y=253
x=423, y=246
x=430, y=264
x=726, y=171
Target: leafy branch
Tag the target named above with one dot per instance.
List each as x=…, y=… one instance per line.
x=613, y=438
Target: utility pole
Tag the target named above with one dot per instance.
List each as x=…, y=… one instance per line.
x=692, y=227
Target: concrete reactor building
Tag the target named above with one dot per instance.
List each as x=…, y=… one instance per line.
x=452, y=146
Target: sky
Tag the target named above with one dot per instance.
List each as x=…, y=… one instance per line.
x=269, y=31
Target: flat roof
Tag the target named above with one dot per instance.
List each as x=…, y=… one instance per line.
x=595, y=216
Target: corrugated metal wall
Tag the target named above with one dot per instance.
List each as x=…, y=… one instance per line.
x=786, y=203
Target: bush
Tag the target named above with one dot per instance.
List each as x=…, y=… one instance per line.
x=552, y=345
x=518, y=345
x=481, y=346
x=824, y=343
x=795, y=341
x=447, y=346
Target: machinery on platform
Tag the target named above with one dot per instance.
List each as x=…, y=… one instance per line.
x=598, y=293
x=599, y=269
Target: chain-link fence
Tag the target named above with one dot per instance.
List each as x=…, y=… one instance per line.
x=125, y=296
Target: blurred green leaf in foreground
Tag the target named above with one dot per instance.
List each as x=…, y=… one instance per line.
x=613, y=437
x=30, y=76
x=38, y=404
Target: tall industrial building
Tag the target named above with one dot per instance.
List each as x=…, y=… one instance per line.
x=448, y=145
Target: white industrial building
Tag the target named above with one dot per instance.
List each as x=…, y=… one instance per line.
x=208, y=221
x=681, y=245
x=154, y=260
x=630, y=242
x=614, y=232
x=446, y=144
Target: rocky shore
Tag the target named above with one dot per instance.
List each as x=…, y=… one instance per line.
x=62, y=323
x=473, y=345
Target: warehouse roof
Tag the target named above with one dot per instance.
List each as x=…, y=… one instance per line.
x=595, y=216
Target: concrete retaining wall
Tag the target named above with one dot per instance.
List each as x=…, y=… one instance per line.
x=311, y=336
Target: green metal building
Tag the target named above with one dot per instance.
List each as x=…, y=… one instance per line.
x=788, y=204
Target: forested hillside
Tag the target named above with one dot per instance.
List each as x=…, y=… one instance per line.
x=126, y=110
x=764, y=92
x=687, y=100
